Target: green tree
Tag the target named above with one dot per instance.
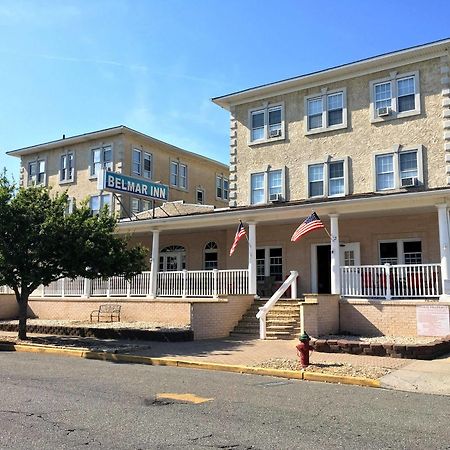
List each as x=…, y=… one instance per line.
x=41, y=243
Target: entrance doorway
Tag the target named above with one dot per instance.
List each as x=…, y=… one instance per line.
x=350, y=255
x=324, y=269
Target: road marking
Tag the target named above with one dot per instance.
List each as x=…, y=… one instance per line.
x=189, y=398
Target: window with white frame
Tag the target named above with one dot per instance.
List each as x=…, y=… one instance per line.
x=326, y=111
x=266, y=123
x=200, y=196
x=137, y=163
x=36, y=172
x=147, y=173
x=327, y=179
x=135, y=205
x=142, y=163
x=97, y=203
x=222, y=187
x=267, y=186
x=395, y=97
x=66, y=168
x=408, y=251
x=101, y=157
x=398, y=169
x=178, y=174
x=269, y=263
x=211, y=256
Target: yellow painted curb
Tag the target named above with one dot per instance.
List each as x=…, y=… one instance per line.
x=342, y=379
x=174, y=362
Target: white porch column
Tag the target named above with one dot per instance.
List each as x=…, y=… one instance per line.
x=154, y=264
x=252, y=258
x=335, y=255
x=444, y=247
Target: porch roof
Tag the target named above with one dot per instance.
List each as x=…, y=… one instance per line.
x=362, y=205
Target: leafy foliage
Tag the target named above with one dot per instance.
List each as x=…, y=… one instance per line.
x=40, y=242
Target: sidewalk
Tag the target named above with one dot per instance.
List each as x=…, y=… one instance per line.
x=431, y=377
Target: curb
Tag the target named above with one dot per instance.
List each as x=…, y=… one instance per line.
x=174, y=362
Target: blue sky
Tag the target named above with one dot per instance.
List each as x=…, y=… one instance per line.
x=69, y=67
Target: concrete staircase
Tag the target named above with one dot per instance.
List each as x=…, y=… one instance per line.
x=283, y=320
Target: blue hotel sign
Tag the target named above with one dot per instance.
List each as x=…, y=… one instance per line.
x=137, y=187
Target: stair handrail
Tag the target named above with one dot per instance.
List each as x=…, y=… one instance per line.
x=264, y=310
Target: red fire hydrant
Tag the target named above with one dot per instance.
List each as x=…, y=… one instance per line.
x=303, y=349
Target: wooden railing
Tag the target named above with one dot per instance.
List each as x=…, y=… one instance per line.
x=202, y=283
x=392, y=281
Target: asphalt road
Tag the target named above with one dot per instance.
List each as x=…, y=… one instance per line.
x=55, y=402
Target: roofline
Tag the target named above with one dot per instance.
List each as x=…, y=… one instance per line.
x=121, y=129
x=231, y=216
x=372, y=64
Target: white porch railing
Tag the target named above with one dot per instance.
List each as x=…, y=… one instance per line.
x=6, y=290
x=202, y=283
x=263, y=311
x=193, y=283
x=396, y=281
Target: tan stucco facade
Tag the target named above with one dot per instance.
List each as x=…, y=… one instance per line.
x=358, y=141
x=201, y=171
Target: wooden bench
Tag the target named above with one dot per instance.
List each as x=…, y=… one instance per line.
x=110, y=312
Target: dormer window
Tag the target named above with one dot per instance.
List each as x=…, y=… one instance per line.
x=266, y=123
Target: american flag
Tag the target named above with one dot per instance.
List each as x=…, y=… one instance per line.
x=311, y=223
x=239, y=233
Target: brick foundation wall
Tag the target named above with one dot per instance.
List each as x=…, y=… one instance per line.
x=218, y=318
x=375, y=317
x=9, y=309
x=321, y=314
x=163, y=312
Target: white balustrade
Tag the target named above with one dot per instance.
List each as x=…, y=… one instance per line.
x=392, y=281
x=184, y=283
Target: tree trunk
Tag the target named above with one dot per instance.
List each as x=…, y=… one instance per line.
x=23, y=310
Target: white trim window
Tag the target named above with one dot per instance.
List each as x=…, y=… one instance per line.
x=267, y=186
x=402, y=251
x=200, y=196
x=269, y=263
x=137, y=162
x=211, y=256
x=326, y=111
x=222, y=188
x=329, y=179
x=101, y=158
x=36, y=172
x=178, y=175
x=97, y=202
x=141, y=163
x=395, y=97
x=135, y=205
x=66, y=168
x=147, y=165
x=398, y=169
x=266, y=123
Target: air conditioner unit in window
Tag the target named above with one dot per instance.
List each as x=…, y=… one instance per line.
x=275, y=198
x=409, y=181
x=275, y=133
x=385, y=111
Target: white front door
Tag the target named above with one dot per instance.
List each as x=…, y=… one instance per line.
x=350, y=254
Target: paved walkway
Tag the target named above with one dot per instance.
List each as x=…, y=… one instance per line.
x=431, y=377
